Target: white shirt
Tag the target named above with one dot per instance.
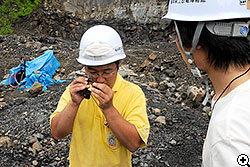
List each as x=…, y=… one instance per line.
x=228, y=134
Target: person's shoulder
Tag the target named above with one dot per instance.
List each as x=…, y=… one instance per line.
x=240, y=96
x=131, y=88
x=131, y=85
x=239, y=116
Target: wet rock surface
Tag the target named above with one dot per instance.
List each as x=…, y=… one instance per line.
x=178, y=121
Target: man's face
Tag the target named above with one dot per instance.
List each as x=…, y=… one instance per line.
x=103, y=74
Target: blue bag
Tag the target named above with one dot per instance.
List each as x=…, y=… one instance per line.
x=46, y=64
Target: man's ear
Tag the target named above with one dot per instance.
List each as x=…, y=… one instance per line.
x=201, y=49
x=198, y=47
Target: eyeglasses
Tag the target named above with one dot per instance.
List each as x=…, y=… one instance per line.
x=105, y=74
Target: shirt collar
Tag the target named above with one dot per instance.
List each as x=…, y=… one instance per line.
x=118, y=82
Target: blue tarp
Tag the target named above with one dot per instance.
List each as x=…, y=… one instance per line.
x=46, y=64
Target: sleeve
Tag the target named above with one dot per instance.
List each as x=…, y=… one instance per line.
x=64, y=100
x=229, y=153
x=136, y=114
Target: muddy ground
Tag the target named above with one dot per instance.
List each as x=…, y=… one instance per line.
x=178, y=124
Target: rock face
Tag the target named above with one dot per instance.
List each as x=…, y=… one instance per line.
x=137, y=21
x=142, y=11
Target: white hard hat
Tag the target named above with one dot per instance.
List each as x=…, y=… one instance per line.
x=207, y=10
x=100, y=45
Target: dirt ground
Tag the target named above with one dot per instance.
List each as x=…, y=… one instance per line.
x=24, y=119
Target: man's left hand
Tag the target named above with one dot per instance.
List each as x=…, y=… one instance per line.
x=104, y=94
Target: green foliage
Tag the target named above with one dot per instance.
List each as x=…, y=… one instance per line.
x=11, y=10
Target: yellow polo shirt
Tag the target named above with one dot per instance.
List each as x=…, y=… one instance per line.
x=93, y=144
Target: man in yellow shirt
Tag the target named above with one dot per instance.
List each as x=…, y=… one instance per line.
x=113, y=122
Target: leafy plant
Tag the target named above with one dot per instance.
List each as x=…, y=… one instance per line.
x=11, y=10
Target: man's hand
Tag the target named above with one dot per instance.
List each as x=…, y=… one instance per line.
x=125, y=132
x=62, y=123
x=104, y=94
x=77, y=85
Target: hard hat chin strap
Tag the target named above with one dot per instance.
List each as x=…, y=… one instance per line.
x=194, y=69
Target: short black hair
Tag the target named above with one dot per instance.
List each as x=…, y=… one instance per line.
x=222, y=51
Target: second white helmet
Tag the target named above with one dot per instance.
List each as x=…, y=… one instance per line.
x=207, y=10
